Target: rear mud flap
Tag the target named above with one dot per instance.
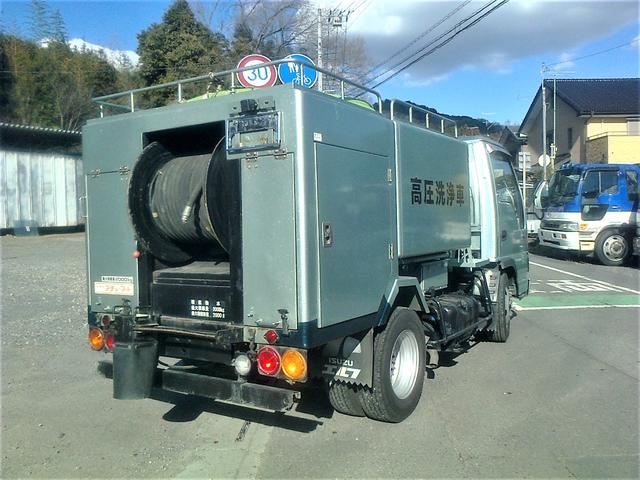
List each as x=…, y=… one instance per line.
x=349, y=359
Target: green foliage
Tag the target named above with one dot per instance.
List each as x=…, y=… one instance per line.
x=58, y=27
x=179, y=47
x=242, y=43
x=53, y=85
x=39, y=25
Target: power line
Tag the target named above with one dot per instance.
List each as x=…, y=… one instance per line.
x=421, y=36
x=575, y=59
x=432, y=42
x=456, y=29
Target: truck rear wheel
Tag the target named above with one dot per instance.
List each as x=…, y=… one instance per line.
x=501, y=325
x=398, y=369
x=612, y=248
x=344, y=398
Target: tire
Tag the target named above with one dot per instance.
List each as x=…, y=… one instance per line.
x=344, y=398
x=612, y=248
x=501, y=325
x=399, y=347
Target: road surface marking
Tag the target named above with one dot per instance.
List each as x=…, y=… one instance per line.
x=585, y=278
x=567, y=307
x=577, y=300
x=573, y=286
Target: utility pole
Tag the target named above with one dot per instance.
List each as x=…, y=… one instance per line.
x=335, y=19
x=544, y=125
x=320, y=86
x=554, y=148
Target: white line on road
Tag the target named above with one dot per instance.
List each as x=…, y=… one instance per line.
x=570, y=307
x=585, y=278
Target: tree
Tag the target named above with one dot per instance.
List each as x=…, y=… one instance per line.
x=39, y=25
x=51, y=85
x=58, y=28
x=275, y=28
x=179, y=47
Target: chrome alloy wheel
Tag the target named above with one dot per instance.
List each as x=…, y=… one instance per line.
x=404, y=365
x=615, y=248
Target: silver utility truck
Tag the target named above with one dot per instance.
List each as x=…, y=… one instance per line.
x=255, y=243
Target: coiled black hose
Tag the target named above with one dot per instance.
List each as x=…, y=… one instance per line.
x=180, y=206
x=176, y=185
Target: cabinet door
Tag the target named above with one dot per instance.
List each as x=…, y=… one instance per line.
x=355, y=232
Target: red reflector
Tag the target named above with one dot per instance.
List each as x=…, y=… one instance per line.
x=136, y=254
x=268, y=361
x=109, y=340
x=271, y=336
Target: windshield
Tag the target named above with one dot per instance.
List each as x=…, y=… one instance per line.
x=563, y=186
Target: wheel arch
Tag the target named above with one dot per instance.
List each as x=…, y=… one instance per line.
x=403, y=292
x=508, y=266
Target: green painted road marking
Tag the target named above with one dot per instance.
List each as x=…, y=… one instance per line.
x=578, y=300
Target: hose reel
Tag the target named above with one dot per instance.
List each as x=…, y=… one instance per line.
x=180, y=205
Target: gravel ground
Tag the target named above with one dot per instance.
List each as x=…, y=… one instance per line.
x=560, y=399
x=58, y=416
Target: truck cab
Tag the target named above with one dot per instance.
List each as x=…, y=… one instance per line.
x=498, y=225
x=591, y=208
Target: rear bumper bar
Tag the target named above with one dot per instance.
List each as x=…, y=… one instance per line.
x=234, y=391
x=243, y=393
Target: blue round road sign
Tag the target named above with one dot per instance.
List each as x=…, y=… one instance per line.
x=291, y=72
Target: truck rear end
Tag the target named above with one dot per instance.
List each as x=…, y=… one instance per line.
x=247, y=246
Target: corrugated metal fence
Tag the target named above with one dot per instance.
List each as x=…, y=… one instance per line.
x=41, y=189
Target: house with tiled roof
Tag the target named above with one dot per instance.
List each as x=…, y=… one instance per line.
x=597, y=120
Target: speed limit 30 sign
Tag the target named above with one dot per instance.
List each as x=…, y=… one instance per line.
x=259, y=77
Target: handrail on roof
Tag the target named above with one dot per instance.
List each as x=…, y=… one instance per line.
x=102, y=100
x=427, y=114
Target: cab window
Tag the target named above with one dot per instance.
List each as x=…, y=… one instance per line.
x=632, y=184
x=507, y=191
x=598, y=182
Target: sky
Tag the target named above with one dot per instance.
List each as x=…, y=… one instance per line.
x=491, y=70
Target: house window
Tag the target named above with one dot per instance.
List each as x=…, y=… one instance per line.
x=633, y=126
x=569, y=138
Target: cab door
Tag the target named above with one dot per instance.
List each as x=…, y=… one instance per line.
x=511, y=228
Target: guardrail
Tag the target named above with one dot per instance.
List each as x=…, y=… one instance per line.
x=107, y=100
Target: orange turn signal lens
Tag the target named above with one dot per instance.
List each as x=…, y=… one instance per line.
x=96, y=338
x=294, y=365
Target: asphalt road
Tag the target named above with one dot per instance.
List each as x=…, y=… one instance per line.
x=559, y=399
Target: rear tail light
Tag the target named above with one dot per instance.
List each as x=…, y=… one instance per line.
x=294, y=365
x=96, y=338
x=109, y=340
x=268, y=361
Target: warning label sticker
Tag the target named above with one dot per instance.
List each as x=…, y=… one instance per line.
x=116, y=279
x=114, y=285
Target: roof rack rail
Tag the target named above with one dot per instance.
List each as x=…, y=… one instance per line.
x=444, y=125
x=108, y=100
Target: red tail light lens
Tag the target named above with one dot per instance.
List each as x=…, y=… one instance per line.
x=109, y=341
x=268, y=361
